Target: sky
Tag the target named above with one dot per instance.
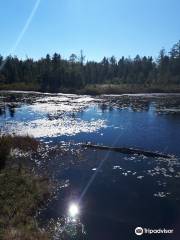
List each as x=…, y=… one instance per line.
x=100, y=28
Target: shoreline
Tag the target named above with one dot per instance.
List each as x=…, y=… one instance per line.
x=23, y=190
x=105, y=89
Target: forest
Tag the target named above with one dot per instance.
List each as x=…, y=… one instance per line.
x=55, y=74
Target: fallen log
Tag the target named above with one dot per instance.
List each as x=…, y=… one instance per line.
x=125, y=150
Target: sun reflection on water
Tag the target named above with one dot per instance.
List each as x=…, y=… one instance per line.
x=52, y=116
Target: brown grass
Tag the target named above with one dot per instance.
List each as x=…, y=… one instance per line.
x=21, y=193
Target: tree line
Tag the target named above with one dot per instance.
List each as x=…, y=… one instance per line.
x=54, y=73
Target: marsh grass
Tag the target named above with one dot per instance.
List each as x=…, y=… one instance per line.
x=21, y=86
x=96, y=89
x=22, y=192
x=8, y=142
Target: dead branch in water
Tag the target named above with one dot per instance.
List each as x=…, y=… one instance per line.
x=125, y=150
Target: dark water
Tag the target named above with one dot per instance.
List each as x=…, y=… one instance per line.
x=116, y=192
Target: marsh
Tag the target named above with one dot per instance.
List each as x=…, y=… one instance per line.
x=117, y=192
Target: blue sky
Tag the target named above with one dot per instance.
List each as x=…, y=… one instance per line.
x=99, y=27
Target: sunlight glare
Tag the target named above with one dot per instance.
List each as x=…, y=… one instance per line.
x=73, y=210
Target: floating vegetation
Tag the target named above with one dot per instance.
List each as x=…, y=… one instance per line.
x=52, y=116
x=161, y=194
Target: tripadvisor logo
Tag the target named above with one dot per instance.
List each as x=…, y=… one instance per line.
x=139, y=231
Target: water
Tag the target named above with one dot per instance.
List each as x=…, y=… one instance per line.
x=117, y=192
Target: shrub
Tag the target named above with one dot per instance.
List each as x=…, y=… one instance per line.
x=5, y=148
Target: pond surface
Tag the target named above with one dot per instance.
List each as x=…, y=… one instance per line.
x=115, y=192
